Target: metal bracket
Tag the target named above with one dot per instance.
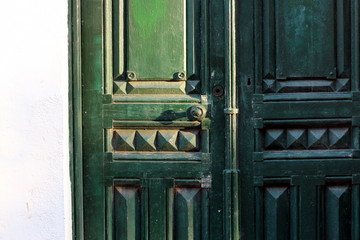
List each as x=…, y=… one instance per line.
x=231, y=111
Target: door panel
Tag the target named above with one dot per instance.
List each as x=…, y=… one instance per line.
x=297, y=34
x=154, y=40
x=303, y=60
x=286, y=210
x=150, y=169
x=158, y=209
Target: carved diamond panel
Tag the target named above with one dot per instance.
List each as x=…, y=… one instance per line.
x=156, y=140
x=188, y=141
x=318, y=138
x=339, y=138
x=167, y=140
x=310, y=139
x=275, y=139
x=145, y=140
x=123, y=140
x=296, y=139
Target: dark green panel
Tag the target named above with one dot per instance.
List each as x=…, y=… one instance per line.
x=141, y=133
x=298, y=117
x=186, y=169
x=277, y=213
x=327, y=166
x=338, y=212
x=156, y=38
x=310, y=109
x=127, y=213
x=305, y=38
x=187, y=213
x=157, y=208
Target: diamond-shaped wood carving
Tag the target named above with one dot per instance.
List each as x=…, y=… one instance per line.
x=296, y=139
x=269, y=86
x=120, y=87
x=145, y=140
x=275, y=139
x=342, y=84
x=339, y=138
x=166, y=140
x=192, y=86
x=318, y=138
x=188, y=141
x=123, y=140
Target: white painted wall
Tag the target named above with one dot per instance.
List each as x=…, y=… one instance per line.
x=34, y=162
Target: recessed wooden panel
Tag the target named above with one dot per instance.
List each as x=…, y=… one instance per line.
x=305, y=43
x=277, y=213
x=127, y=213
x=154, y=39
x=156, y=36
x=338, y=212
x=187, y=213
x=158, y=208
x=306, y=46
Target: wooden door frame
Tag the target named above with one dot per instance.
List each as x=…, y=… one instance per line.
x=75, y=117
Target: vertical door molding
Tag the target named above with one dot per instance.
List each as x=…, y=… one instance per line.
x=75, y=118
x=231, y=172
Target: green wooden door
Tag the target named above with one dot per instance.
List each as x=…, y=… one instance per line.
x=153, y=75
x=298, y=75
x=213, y=119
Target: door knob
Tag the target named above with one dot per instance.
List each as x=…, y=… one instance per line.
x=197, y=113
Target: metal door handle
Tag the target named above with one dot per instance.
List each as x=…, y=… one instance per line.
x=197, y=113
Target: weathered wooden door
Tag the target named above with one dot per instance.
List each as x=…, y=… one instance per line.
x=213, y=119
x=153, y=75
x=298, y=75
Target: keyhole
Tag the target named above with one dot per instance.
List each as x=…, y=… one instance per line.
x=249, y=81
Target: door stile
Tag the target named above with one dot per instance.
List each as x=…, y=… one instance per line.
x=75, y=118
x=231, y=172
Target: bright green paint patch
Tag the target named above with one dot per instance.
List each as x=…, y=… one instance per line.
x=156, y=38
x=148, y=14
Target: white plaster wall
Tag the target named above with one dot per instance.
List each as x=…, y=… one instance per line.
x=34, y=171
